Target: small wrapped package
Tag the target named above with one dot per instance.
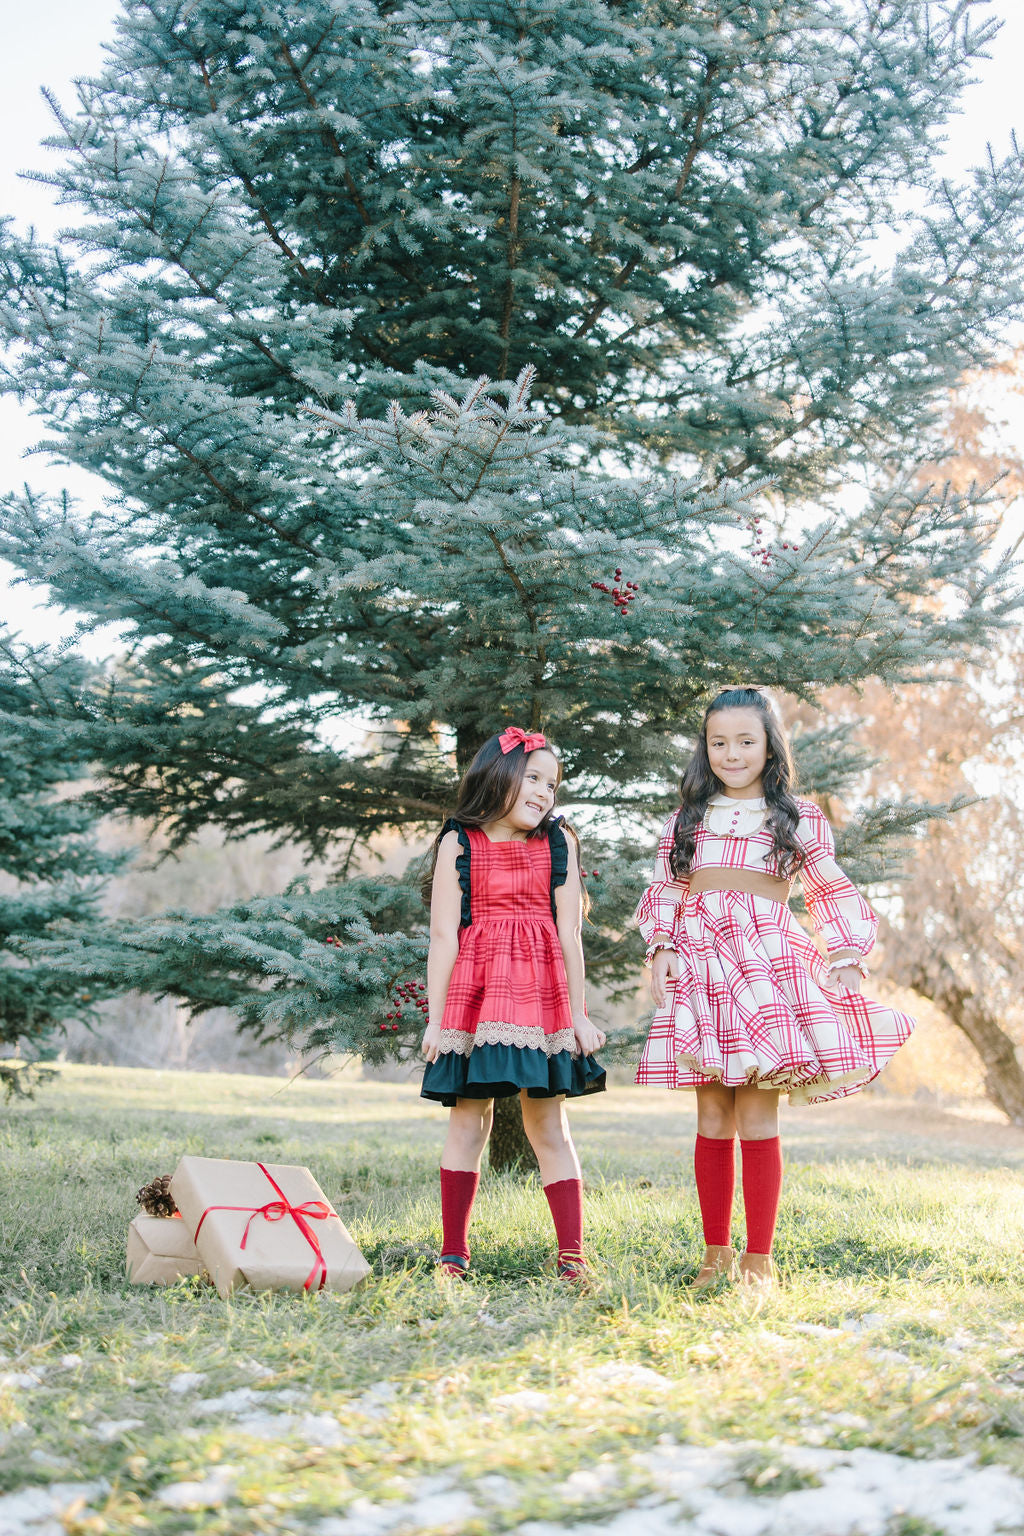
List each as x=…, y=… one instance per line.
x=266, y=1226
x=160, y=1251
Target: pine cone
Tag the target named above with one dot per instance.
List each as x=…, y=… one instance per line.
x=156, y=1198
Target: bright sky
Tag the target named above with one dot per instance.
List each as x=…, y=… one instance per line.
x=51, y=42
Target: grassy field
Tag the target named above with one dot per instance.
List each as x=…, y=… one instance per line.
x=508, y=1403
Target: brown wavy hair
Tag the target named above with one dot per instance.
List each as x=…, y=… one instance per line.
x=489, y=788
x=699, y=783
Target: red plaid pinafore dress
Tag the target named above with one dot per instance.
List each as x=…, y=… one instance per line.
x=507, y=1023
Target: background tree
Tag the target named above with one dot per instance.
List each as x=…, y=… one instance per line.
x=956, y=933
x=673, y=215
x=51, y=868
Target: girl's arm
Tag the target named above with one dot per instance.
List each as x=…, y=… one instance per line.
x=569, y=920
x=840, y=915
x=445, y=915
x=657, y=913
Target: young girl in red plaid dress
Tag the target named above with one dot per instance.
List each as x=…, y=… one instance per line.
x=746, y=1004
x=505, y=984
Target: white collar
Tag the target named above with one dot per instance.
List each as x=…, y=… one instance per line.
x=733, y=801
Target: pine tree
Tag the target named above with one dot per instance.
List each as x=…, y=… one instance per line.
x=52, y=868
x=673, y=238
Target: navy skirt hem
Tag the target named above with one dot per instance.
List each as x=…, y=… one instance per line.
x=498, y=1071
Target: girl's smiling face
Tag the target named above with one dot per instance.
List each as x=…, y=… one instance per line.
x=536, y=795
x=738, y=751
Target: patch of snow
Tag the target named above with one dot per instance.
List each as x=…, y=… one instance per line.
x=210, y=1493
x=734, y=1517
x=436, y=1512
x=363, y=1519
x=894, y=1356
x=109, y=1430
x=255, y=1369
x=442, y=1510
x=620, y=1373
x=70, y=1362
x=589, y=1483
x=186, y=1381
x=42, y=1511
x=525, y=1401
x=495, y=1489
x=48, y=1460
x=681, y=1470
x=227, y=1402
x=817, y=1330
x=321, y=1429
x=23, y=1380
x=866, y=1324
x=818, y=1512
x=373, y=1403
x=847, y=1420
x=862, y=1493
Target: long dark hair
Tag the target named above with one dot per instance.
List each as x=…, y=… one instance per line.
x=700, y=782
x=489, y=787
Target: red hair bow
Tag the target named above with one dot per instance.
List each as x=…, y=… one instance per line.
x=514, y=737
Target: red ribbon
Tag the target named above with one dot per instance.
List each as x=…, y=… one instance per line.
x=276, y=1210
x=514, y=737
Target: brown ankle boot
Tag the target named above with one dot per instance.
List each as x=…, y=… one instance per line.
x=758, y=1270
x=719, y=1263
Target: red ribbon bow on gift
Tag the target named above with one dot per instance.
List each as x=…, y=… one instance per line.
x=514, y=737
x=276, y=1210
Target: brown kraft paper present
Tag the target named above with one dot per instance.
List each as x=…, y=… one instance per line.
x=160, y=1251
x=266, y=1226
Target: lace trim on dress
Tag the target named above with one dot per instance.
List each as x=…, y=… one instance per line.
x=462, y=868
x=528, y=1037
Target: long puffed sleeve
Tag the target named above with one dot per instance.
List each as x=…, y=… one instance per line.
x=838, y=911
x=659, y=907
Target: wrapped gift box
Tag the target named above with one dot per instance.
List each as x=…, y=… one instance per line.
x=266, y=1226
x=160, y=1251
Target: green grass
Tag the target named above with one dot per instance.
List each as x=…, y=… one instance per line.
x=899, y=1325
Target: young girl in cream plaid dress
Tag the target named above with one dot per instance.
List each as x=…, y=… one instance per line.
x=747, y=1005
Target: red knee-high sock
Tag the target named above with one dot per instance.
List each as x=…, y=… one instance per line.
x=762, y=1185
x=458, y=1191
x=714, y=1167
x=566, y=1201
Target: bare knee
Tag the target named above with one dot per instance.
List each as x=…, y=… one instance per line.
x=546, y=1127
x=716, y=1113
x=757, y=1113
x=470, y=1125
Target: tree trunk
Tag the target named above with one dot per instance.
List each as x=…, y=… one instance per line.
x=509, y=1146
x=1004, y=1074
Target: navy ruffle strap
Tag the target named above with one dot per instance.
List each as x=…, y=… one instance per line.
x=462, y=868
x=559, y=845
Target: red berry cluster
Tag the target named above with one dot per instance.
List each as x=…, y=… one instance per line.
x=762, y=549
x=595, y=872
x=410, y=993
x=333, y=939
x=621, y=595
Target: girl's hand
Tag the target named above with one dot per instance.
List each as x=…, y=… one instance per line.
x=664, y=965
x=588, y=1037
x=849, y=977
x=430, y=1046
